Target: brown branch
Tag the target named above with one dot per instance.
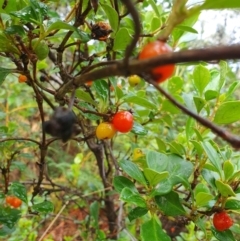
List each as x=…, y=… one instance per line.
x=139, y=66
x=225, y=135
x=20, y=139
x=132, y=10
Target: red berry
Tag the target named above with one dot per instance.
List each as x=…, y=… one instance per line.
x=123, y=121
x=155, y=49
x=222, y=221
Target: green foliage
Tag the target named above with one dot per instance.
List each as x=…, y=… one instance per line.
x=102, y=189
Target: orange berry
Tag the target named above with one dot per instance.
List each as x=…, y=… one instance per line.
x=22, y=78
x=13, y=201
x=155, y=49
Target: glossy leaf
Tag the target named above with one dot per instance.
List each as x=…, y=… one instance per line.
x=199, y=103
x=121, y=182
x=154, y=6
x=201, y=77
x=112, y=16
x=94, y=212
x=162, y=188
x=175, y=84
x=224, y=189
x=43, y=207
x=228, y=169
x=203, y=198
x=221, y=4
x=85, y=96
x=4, y=73
x=133, y=171
x=136, y=213
x=138, y=129
x=187, y=29
x=127, y=195
x=5, y=230
x=122, y=40
x=139, y=101
x=18, y=190
x=213, y=156
x=233, y=204
x=154, y=177
x=211, y=94
x=177, y=167
x=228, y=112
x=223, y=235
x=152, y=230
x=9, y=216
x=60, y=25
x=170, y=204
x=102, y=88
x=155, y=23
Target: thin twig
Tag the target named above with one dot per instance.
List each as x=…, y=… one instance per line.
x=139, y=66
x=225, y=135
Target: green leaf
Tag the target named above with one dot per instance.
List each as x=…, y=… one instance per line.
x=122, y=39
x=121, y=182
x=175, y=84
x=213, y=156
x=94, y=212
x=133, y=171
x=228, y=169
x=170, y=204
x=190, y=128
x=43, y=207
x=3, y=74
x=155, y=23
x=9, y=216
x=33, y=13
x=15, y=29
x=224, y=189
x=187, y=29
x=177, y=167
x=85, y=96
x=60, y=25
x=157, y=161
x=233, y=204
x=162, y=188
x=154, y=177
x=220, y=4
x=201, y=78
x=127, y=195
x=136, y=213
x=102, y=88
x=112, y=16
x=202, y=198
x=199, y=103
x=40, y=48
x=138, y=129
x=5, y=230
x=190, y=21
x=223, y=235
x=154, y=7
x=177, y=148
x=130, y=98
x=210, y=177
x=152, y=230
x=18, y=190
x=168, y=106
x=211, y=94
x=228, y=112
x=87, y=107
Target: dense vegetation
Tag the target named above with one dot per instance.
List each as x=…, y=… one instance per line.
x=114, y=126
